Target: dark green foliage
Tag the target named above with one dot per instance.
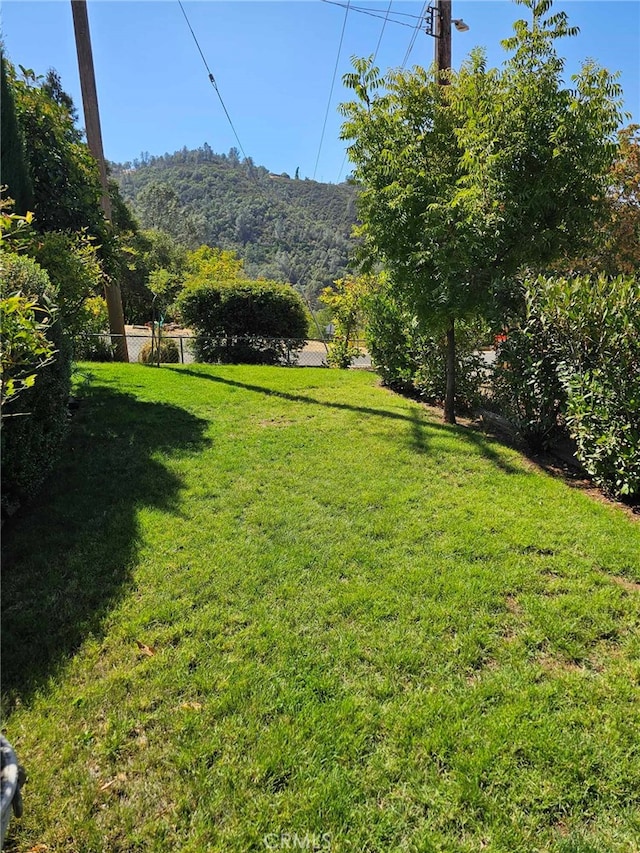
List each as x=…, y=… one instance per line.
x=597, y=322
x=160, y=208
x=140, y=253
x=603, y=414
x=122, y=217
x=574, y=362
x=251, y=322
x=297, y=231
x=526, y=388
x=389, y=339
x=52, y=86
x=169, y=353
x=95, y=348
x=413, y=362
x=65, y=177
x=34, y=423
x=13, y=167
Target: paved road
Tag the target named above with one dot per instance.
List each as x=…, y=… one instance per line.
x=314, y=353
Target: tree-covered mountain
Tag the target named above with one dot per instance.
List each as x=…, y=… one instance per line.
x=292, y=230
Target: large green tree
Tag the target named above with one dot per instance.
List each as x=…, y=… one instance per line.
x=63, y=173
x=464, y=184
x=14, y=174
x=614, y=247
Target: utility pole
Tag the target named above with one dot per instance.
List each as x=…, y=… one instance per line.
x=94, y=140
x=437, y=19
x=443, y=40
x=443, y=64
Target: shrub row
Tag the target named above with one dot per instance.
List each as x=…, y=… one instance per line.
x=574, y=363
x=571, y=365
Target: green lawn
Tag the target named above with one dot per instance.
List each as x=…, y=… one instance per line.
x=260, y=608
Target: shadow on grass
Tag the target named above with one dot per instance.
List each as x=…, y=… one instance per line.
x=418, y=427
x=68, y=556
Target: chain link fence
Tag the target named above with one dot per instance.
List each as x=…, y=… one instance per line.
x=179, y=349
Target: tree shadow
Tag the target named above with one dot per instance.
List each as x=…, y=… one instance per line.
x=418, y=439
x=69, y=554
x=418, y=426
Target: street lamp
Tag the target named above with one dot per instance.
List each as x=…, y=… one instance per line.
x=432, y=27
x=437, y=20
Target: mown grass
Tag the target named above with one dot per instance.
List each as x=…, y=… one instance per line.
x=258, y=608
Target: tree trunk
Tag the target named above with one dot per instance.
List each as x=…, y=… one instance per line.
x=112, y=293
x=450, y=392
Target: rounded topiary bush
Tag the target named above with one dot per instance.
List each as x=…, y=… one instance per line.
x=169, y=353
x=251, y=322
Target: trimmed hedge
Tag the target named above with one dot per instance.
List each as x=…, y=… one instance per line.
x=250, y=322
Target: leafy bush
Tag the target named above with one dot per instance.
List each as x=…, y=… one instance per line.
x=90, y=342
x=34, y=423
x=169, y=353
x=63, y=172
x=98, y=348
x=598, y=322
x=72, y=264
x=526, y=385
x=603, y=415
x=390, y=333
x=25, y=347
x=345, y=301
x=13, y=166
x=252, y=322
x=411, y=361
x=574, y=362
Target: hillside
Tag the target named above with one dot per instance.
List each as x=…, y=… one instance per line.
x=284, y=228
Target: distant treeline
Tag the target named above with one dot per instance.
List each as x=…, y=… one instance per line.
x=283, y=228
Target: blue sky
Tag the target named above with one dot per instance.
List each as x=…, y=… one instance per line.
x=273, y=63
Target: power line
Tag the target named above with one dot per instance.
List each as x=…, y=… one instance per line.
x=212, y=80
x=415, y=35
x=335, y=71
x=386, y=18
x=372, y=14
x=344, y=160
x=402, y=14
